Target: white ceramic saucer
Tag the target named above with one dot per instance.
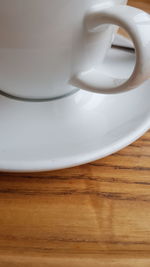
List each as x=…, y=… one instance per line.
x=74, y=130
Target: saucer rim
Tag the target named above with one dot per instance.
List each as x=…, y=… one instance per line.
x=53, y=165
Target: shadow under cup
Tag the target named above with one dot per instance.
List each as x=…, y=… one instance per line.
x=43, y=43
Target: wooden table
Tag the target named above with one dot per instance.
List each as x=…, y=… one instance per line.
x=93, y=215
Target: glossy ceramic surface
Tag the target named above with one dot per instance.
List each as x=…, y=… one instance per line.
x=74, y=130
x=137, y=23
x=50, y=47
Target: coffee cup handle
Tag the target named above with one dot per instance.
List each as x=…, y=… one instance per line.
x=137, y=23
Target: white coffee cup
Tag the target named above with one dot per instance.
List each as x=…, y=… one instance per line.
x=49, y=48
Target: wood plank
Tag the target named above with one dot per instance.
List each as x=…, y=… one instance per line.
x=111, y=260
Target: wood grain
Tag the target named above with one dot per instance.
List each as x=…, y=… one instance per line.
x=143, y=4
x=92, y=215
